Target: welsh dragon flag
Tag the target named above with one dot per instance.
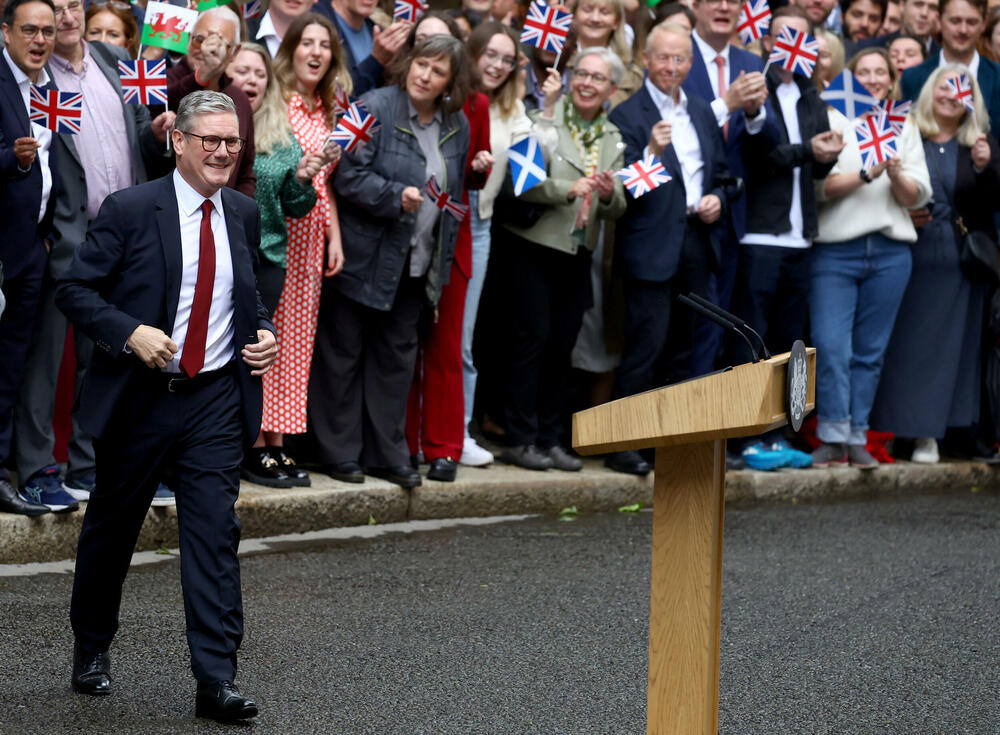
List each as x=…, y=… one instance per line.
x=168, y=26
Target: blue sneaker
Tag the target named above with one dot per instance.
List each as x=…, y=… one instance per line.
x=760, y=456
x=163, y=497
x=45, y=487
x=796, y=459
x=80, y=487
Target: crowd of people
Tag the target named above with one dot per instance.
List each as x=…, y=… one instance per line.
x=408, y=332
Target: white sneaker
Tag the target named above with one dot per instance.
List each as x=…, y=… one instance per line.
x=474, y=455
x=925, y=451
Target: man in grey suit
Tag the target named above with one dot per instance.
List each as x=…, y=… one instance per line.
x=107, y=155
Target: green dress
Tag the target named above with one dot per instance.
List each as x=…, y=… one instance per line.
x=280, y=195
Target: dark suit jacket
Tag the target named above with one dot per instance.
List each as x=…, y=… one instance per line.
x=20, y=191
x=698, y=84
x=128, y=273
x=69, y=216
x=988, y=78
x=650, y=235
x=365, y=73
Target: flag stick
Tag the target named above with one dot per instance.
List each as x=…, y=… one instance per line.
x=766, y=67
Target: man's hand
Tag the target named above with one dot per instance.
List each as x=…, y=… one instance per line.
x=981, y=152
x=604, y=182
x=260, y=355
x=309, y=166
x=411, y=199
x=152, y=346
x=482, y=162
x=580, y=188
x=386, y=44
x=709, y=208
x=659, y=138
x=747, y=91
x=162, y=124
x=212, y=61
x=827, y=146
x=24, y=151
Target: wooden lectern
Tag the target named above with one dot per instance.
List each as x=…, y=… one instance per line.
x=688, y=424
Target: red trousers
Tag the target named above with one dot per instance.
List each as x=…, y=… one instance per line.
x=435, y=413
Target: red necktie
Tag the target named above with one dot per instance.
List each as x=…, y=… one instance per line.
x=721, y=64
x=193, y=358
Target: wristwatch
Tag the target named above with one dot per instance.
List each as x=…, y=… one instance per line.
x=863, y=173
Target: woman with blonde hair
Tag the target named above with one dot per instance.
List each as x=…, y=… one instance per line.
x=932, y=366
x=830, y=61
x=602, y=23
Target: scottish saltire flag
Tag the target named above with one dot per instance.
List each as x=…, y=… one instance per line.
x=144, y=82
x=251, y=9
x=355, y=128
x=643, y=176
x=168, y=26
x=410, y=10
x=341, y=101
x=444, y=202
x=848, y=95
x=877, y=141
x=60, y=112
x=961, y=87
x=546, y=26
x=527, y=165
x=795, y=51
x=755, y=18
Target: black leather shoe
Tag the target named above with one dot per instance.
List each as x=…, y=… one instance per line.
x=296, y=475
x=442, y=469
x=223, y=702
x=345, y=472
x=261, y=468
x=91, y=672
x=631, y=463
x=403, y=475
x=12, y=502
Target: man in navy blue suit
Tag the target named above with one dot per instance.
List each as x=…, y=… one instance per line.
x=164, y=285
x=670, y=239
x=730, y=80
x=27, y=162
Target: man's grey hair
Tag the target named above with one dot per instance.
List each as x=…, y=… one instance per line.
x=202, y=102
x=609, y=57
x=224, y=12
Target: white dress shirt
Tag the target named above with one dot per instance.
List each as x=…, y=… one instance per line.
x=219, y=346
x=684, y=139
x=41, y=134
x=267, y=34
x=754, y=125
x=973, y=65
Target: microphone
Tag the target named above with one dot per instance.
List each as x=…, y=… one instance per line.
x=737, y=322
x=719, y=319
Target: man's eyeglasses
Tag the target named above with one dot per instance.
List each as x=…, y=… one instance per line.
x=583, y=75
x=73, y=6
x=28, y=33
x=197, y=41
x=211, y=143
x=114, y=3
x=505, y=62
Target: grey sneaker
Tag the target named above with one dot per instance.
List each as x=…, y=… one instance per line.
x=527, y=456
x=860, y=458
x=563, y=460
x=828, y=453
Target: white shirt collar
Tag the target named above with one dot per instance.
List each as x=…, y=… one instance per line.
x=266, y=27
x=973, y=65
x=708, y=53
x=188, y=200
x=20, y=77
x=662, y=100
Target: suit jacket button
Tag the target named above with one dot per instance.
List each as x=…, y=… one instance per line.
x=83, y=207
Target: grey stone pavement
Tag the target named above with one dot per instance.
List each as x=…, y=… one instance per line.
x=867, y=615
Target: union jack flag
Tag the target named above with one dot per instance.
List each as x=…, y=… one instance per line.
x=795, y=51
x=895, y=112
x=58, y=111
x=144, y=82
x=877, y=140
x=546, y=26
x=643, y=176
x=355, y=128
x=341, y=101
x=251, y=9
x=962, y=89
x=755, y=18
x=443, y=201
x=410, y=10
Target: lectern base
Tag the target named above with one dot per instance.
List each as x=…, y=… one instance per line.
x=686, y=589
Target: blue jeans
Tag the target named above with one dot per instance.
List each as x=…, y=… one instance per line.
x=857, y=287
x=480, y=257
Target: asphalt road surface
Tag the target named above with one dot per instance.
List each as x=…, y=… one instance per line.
x=875, y=616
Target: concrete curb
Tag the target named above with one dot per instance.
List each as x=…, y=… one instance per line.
x=497, y=490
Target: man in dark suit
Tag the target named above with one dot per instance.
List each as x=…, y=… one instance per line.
x=368, y=49
x=165, y=287
x=962, y=22
x=105, y=156
x=271, y=27
x=27, y=170
x=670, y=239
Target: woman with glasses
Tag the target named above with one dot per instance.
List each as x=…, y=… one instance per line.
x=545, y=267
x=112, y=22
x=308, y=68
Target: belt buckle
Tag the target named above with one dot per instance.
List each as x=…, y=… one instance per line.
x=172, y=383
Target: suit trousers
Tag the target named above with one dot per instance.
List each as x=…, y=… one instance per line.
x=193, y=441
x=548, y=292
x=361, y=373
x=436, y=408
x=34, y=438
x=23, y=289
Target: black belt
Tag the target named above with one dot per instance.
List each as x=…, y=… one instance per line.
x=180, y=383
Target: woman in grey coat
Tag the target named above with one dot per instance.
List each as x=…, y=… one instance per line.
x=398, y=248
